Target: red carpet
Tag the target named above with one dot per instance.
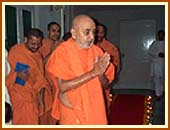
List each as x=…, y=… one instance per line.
x=127, y=110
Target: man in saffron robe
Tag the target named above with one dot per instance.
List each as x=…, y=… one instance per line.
x=29, y=96
x=107, y=46
x=112, y=50
x=79, y=70
x=48, y=46
x=52, y=41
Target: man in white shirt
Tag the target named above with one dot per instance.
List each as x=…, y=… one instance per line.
x=8, y=109
x=157, y=52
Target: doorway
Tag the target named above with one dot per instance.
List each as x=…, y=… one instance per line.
x=135, y=38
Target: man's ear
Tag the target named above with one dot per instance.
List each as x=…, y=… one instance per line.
x=73, y=33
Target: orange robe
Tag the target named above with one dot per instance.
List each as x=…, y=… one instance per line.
x=47, y=47
x=25, y=99
x=87, y=100
x=111, y=49
x=45, y=51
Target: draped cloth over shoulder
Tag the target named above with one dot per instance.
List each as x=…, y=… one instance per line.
x=45, y=49
x=25, y=99
x=87, y=100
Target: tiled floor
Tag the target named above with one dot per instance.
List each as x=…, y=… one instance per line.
x=158, y=105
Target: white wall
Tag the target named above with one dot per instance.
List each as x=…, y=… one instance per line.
x=42, y=17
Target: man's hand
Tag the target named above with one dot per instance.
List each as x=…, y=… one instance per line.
x=42, y=108
x=42, y=103
x=101, y=64
x=64, y=99
x=98, y=69
x=23, y=74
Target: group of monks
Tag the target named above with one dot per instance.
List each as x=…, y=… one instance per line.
x=65, y=82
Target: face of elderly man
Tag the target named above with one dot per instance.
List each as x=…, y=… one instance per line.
x=83, y=32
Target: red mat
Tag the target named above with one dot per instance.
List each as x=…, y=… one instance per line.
x=127, y=110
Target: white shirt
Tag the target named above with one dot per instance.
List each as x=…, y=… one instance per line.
x=158, y=63
x=7, y=70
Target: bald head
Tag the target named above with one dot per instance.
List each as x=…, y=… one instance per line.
x=79, y=20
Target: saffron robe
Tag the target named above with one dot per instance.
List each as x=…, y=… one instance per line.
x=87, y=100
x=45, y=50
x=111, y=49
x=25, y=99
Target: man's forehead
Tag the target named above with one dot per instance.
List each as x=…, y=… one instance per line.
x=100, y=27
x=54, y=26
x=34, y=38
x=87, y=27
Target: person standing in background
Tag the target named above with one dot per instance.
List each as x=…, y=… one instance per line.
x=112, y=50
x=52, y=41
x=26, y=83
x=49, y=45
x=157, y=53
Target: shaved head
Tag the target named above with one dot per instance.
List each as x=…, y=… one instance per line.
x=79, y=20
